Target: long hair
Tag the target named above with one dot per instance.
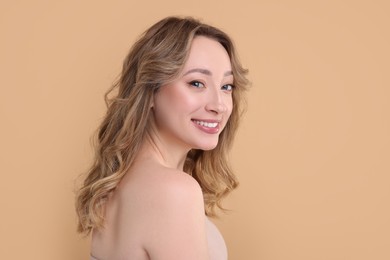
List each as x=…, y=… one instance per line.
x=157, y=58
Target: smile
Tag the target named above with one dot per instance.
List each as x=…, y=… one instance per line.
x=206, y=124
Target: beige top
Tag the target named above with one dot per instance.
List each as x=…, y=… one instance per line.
x=217, y=246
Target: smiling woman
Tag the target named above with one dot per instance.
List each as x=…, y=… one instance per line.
x=161, y=157
x=199, y=98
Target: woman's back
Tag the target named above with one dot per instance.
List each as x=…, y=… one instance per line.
x=157, y=213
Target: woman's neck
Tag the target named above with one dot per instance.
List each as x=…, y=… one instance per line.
x=164, y=153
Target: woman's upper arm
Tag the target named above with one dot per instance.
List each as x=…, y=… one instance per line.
x=175, y=223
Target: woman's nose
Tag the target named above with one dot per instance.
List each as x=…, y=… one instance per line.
x=216, y=103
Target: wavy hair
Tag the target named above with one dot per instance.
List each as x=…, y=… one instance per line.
x=157, y=58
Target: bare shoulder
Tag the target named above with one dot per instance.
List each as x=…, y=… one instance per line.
x=166, y=191
x=176, y=186
x=168, y=209
x=162, y=185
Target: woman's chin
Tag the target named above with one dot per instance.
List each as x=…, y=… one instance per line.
x=208, y=146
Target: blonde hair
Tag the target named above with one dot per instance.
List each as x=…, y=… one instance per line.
x=155, y=59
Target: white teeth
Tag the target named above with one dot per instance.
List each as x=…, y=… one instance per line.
x=206, y=124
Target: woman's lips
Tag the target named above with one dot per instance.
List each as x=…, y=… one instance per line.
x=207, y=126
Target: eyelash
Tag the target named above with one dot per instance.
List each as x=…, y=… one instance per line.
x=228, y=85
x=196, y=83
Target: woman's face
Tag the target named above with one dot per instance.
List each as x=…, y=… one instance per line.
x=192, y=111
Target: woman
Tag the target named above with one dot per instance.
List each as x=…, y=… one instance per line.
x=161, y=157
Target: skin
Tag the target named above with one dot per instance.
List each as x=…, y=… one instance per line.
x=157, y=211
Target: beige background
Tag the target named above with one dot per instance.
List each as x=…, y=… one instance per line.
x=312, y=154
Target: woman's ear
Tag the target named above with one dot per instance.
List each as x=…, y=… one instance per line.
x=153, y=97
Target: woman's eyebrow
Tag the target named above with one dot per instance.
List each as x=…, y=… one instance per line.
x=203, y=71
x=207, y=72
x=228, y=73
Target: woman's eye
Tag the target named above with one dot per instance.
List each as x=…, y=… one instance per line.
x=197, y=84
x=228, y=87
